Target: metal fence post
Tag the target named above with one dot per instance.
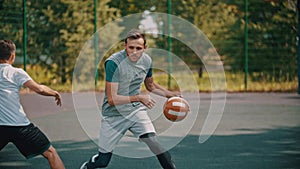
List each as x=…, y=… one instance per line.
x=24, y=36
x=246, y=46
x=95, y=42
x=169, y=44
x=298, y=43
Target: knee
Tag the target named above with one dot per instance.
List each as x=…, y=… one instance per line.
x=50, y=153
x=149, y=138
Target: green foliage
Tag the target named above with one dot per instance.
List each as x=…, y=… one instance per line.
x=272, y=35
x=10, y=22
x=234, y=83
x=219, y=21
x=272, y=41
x=42, y=75
x=58, y=29
x=75, y=21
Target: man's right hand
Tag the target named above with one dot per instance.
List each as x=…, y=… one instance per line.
x=147, y=100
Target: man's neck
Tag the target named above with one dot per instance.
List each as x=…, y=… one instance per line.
x=4, y=61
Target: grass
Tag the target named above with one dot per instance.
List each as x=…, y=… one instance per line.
x=233, y=82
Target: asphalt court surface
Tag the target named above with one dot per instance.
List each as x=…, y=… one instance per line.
x=257, y=130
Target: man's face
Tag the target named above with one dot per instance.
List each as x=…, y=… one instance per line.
x=134, y=49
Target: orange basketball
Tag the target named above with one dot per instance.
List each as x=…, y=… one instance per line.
x=176, y=109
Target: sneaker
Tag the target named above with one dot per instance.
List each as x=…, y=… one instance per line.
x=84, y=165
x=93, y=159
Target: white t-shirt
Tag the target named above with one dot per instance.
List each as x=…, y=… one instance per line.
x=11, y=110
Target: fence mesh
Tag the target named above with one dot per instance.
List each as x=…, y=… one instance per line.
x=265, y=52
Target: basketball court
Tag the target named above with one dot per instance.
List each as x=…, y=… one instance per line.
x=257, y=130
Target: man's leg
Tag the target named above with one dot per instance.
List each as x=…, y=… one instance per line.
x=53, y=158
x=5, y=136
x=112, y=130
x=31, y=141
x=162, y=155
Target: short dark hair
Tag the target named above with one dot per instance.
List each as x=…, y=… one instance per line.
x=7, y=47
x=135, y=34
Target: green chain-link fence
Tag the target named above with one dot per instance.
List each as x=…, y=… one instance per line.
x=256, y=39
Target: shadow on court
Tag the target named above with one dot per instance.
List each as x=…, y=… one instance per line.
x=276, y=148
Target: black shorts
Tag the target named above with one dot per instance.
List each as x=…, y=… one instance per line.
x=29, y=140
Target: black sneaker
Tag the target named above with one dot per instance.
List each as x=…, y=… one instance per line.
x=93, y=159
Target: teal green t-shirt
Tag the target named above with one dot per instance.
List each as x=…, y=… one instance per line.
x=111, y=69
x=129, y=76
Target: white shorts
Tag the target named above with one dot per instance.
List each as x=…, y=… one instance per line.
x=113, y=129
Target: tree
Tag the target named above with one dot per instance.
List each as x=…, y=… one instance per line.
x=11, y=25
x=272, y=34
x=219, y=21
x=59, y=30
x=272, y=41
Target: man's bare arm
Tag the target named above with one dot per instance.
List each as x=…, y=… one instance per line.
x=43, y=90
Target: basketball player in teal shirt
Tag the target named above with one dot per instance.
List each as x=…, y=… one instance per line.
x=124, y=106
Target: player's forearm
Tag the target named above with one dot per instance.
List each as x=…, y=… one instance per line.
x=40, y=89
x=119, y=99
x=46, y=91
x=43, y=90
x=157, y=89
x=161, y=91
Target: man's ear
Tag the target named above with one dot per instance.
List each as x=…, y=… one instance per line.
x=12, y=58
